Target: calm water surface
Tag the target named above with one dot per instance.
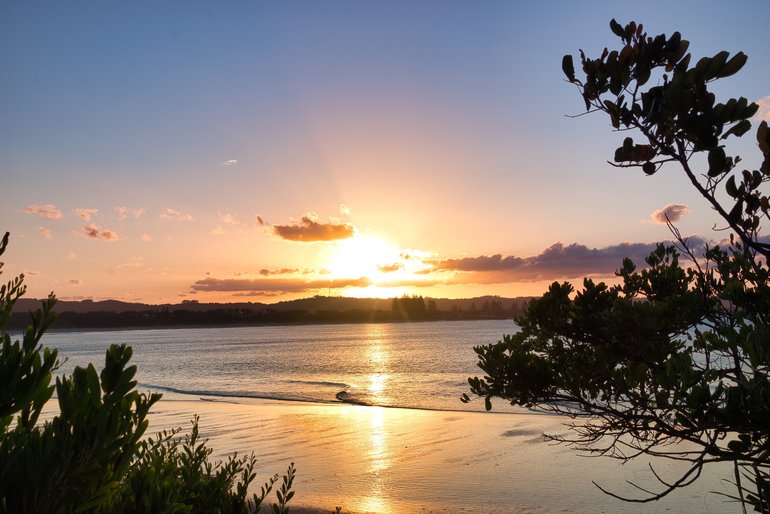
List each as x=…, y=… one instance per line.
x=416, y=365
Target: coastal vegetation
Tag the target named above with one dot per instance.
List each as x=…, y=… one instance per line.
x=91, y=456
x=320, y=309
x=672, y=362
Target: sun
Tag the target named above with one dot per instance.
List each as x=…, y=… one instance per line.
x=362, y=256
x=389, y=269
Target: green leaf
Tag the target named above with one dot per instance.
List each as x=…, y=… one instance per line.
x=717, y=161
x=715, y=65
x=735, y=213
x=616, y=28
x=738, y=129
x=733, y=65
x=762, y=137
x=568, y=67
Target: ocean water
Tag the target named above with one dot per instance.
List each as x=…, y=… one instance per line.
x=414, y=365
x=426, y=458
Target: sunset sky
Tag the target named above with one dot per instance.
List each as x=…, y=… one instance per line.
x=263, y=151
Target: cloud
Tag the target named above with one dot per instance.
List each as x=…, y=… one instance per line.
x=282, y=271
x=218, y=231
x=46, y=233
x=134, y=263
x=71, y=255
x=764, y=109
x=227, y=218
x=94, y=232
x=126, y=212
x=265, y=294
x=345, y=210
x=173, y=214
x=229, y=162
x=145, y=238
x=389, y=268
x=309, y=230
x=559, y=261
x=261, y=286
x=47, y=211
x=85, y=214
x=74, y=281
x=674, y=212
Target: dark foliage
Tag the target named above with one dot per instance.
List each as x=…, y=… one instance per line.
x=672, y=362
x=90, y=456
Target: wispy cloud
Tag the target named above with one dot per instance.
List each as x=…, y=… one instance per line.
x=173, y=214
x=46, y=232
x=345, y=210
x=310, y=230
x=74, y=281
x=390, y=268
x=47, y=211
x=218, y=231
x=764, y=109
x=282, y=271
x=673, y=212
x=127, y=212
x=145, y=238
x=275, y=285
x=71, y=255
x=228, y=218
x=134, y=263
x=85, y=214
x=229, y=162
x=94, y=232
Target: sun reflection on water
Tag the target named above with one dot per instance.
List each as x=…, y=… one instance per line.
x=379, y=461
x=378, y=361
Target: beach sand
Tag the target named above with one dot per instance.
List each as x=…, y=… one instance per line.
x=387, y=460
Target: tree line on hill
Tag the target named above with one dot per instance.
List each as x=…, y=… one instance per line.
x=104, y=315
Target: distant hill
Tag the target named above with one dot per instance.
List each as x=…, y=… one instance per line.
x=82, y=306
x=318, y=309
x=312, y=304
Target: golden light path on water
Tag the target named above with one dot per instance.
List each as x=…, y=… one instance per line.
x=379, y=455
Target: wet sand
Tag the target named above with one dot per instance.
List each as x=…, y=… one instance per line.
x=386, y=460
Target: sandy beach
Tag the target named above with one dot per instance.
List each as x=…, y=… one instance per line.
x=389, y=460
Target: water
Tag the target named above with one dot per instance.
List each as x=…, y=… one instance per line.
x=415, y=365
x=374, y=459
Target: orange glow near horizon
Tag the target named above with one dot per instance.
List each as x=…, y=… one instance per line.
x=372, y=257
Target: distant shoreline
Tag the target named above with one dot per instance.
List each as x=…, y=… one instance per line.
x=319, y=310
x=65, y=330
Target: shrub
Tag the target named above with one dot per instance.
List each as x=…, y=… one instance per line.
x=91, y=457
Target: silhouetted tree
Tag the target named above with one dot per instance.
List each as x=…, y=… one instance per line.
x=677, y=352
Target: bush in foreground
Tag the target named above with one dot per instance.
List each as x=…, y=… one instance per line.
x=91, y=457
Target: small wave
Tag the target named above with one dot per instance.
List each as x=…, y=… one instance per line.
x=239, y=394
x=342, y=396
x=318, y=382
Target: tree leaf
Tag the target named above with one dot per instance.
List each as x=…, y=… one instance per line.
x=738, y=129
x=717, y=162
x=568, y=67
x=617, y=29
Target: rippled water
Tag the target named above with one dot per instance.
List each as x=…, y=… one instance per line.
x=417, y=365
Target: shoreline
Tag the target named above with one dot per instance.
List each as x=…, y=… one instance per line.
x=69, y=330
x=390, y=460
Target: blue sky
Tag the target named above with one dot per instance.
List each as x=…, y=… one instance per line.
x=160, y=131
